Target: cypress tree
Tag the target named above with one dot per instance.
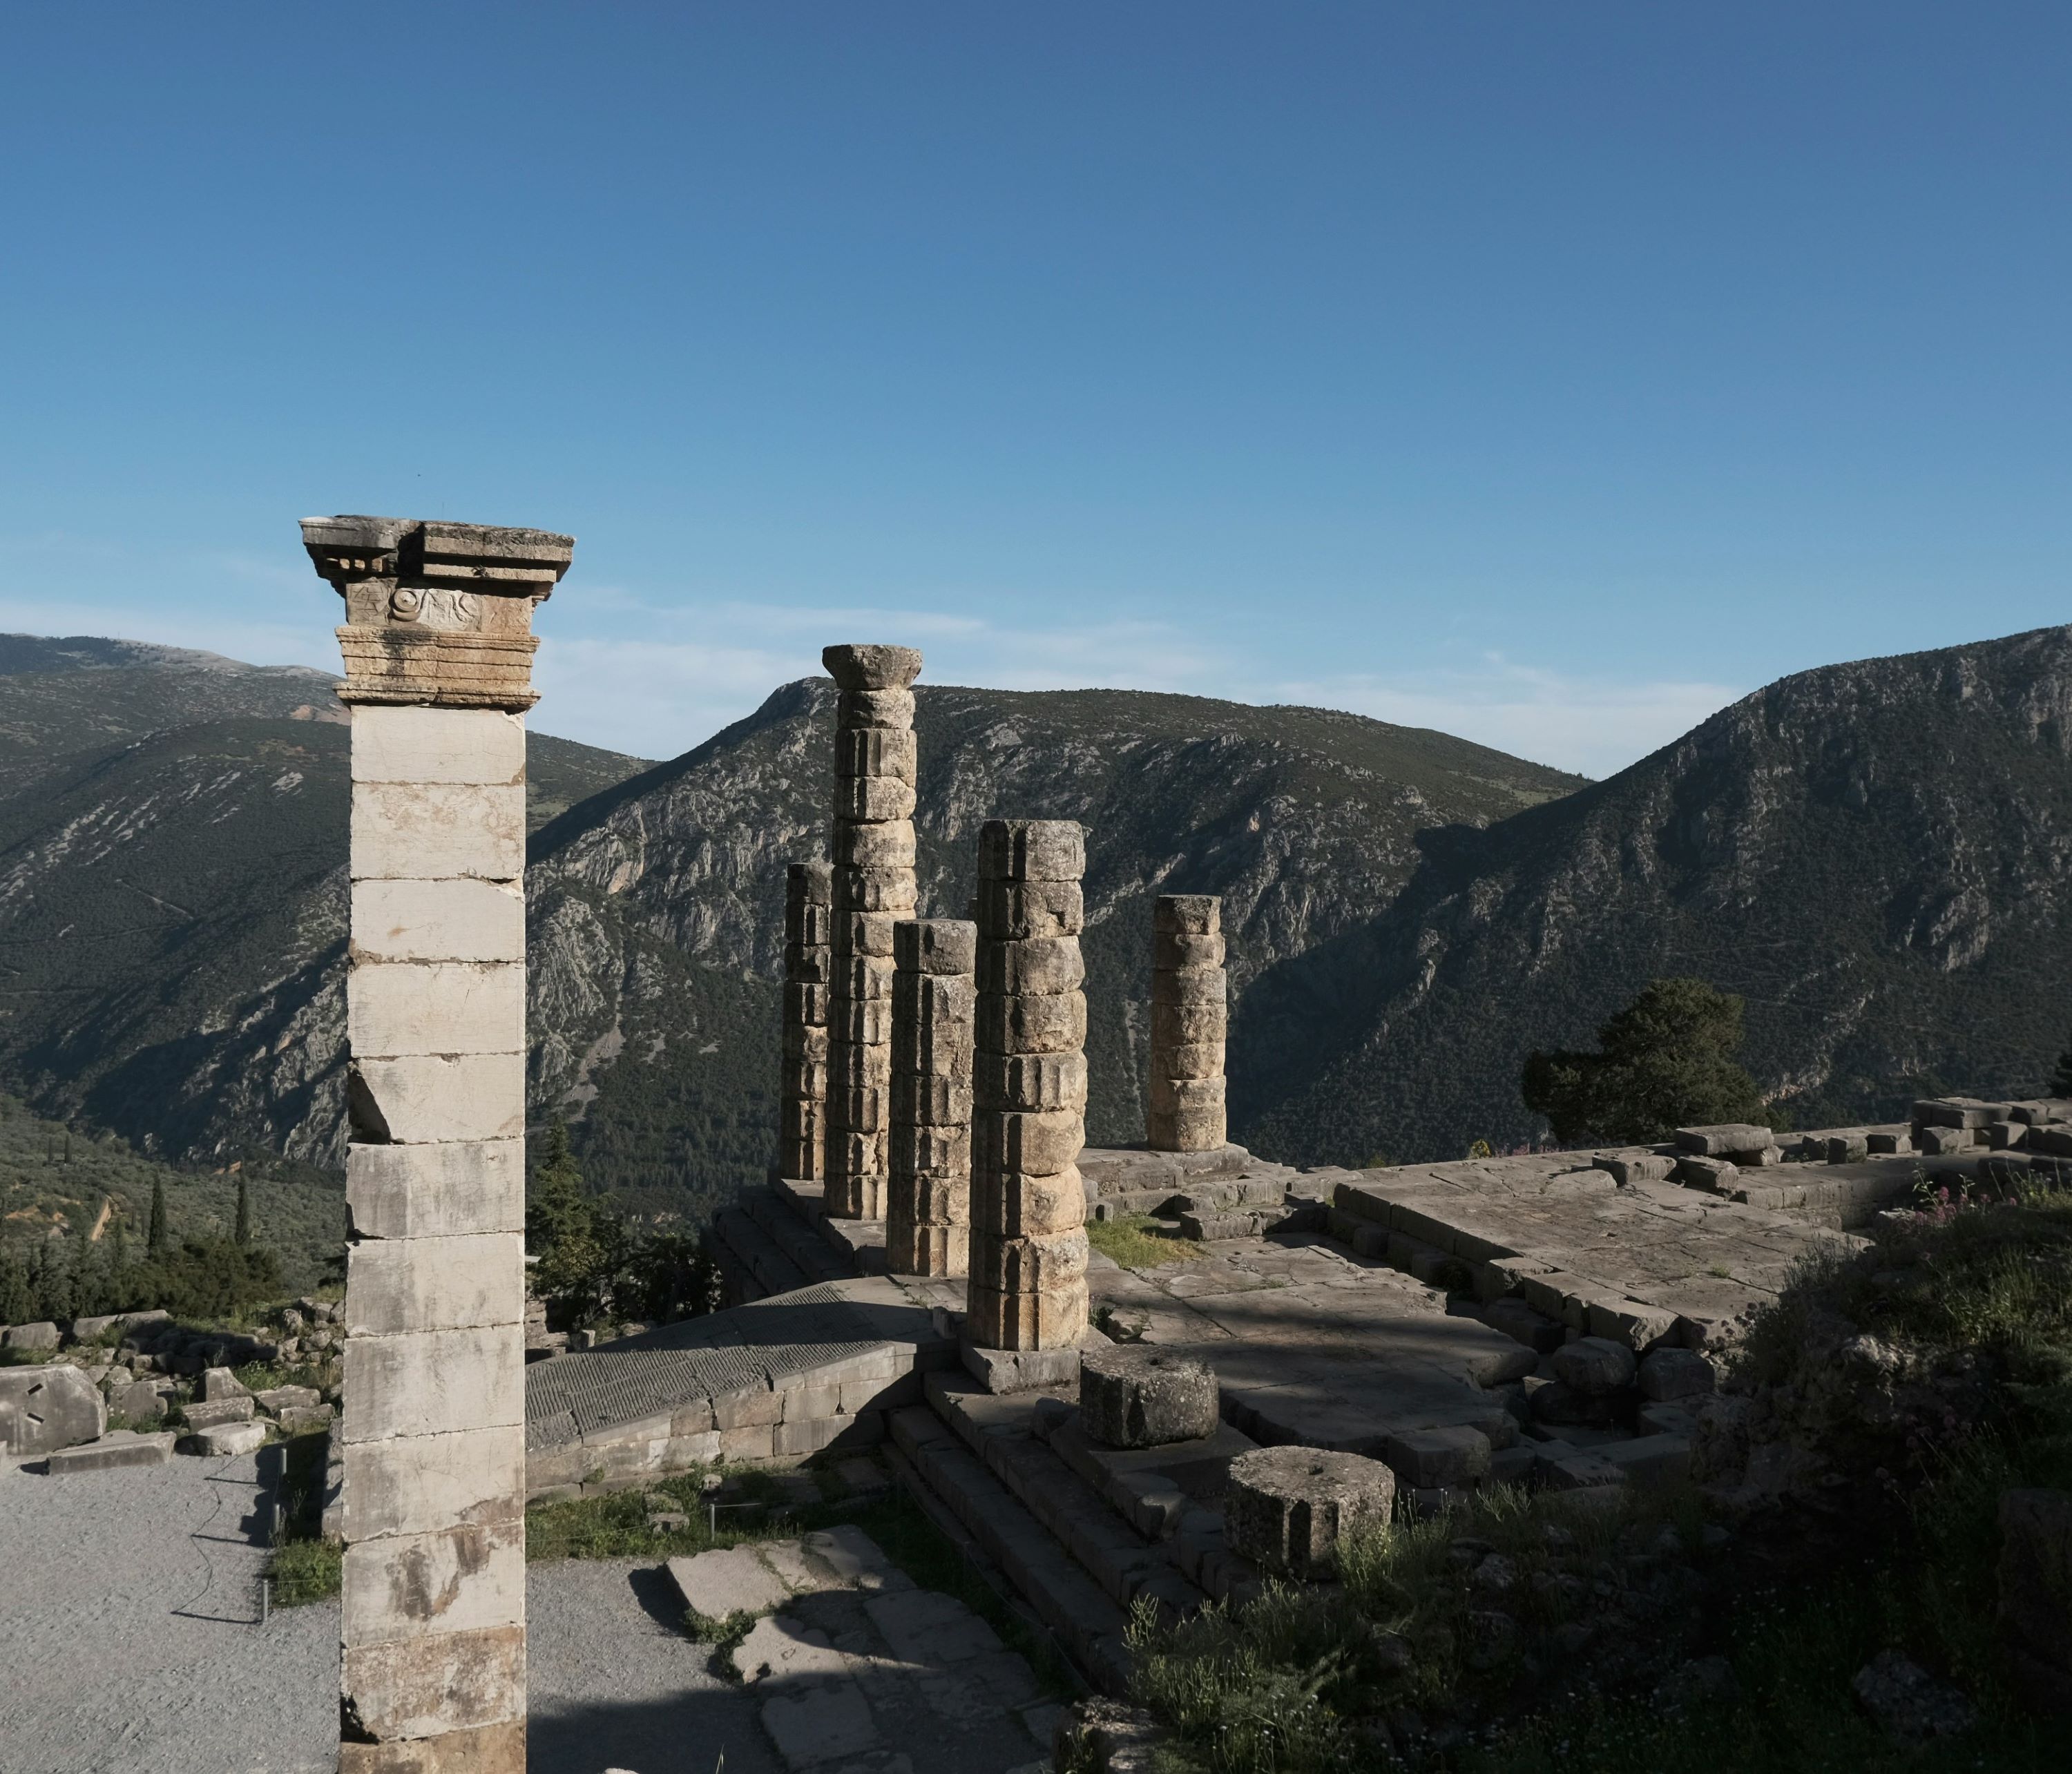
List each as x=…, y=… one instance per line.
x=243, y=1233
x=156, y=1242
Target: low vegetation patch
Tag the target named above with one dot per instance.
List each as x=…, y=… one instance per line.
x=1136, y=1241
x=305, y=1567
x=1721, y=1625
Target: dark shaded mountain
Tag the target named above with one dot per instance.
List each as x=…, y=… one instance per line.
x=657, y=907
x=1878, y=856
x=172, y=892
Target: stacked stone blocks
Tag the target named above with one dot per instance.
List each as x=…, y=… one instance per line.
x=1185, y=1111
x=1027, y=1289
x=927, y=1212
x=433, y=1663
x=801, y=1153
x=875, y=765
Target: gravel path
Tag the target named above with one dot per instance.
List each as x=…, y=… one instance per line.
x=129, y=1644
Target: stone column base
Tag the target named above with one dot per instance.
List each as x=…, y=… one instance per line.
x=1023, y=1369
x=488, y=1749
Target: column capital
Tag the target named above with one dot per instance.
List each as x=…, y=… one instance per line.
x=437, y=612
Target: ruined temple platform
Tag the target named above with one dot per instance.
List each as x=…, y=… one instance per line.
x=1641, y=1262
x=782, y=1378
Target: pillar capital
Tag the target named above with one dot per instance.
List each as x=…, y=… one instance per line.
x=437, y=612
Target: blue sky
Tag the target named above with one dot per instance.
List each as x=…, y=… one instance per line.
x=1550, y=375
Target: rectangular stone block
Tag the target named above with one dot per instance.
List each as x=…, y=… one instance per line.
x=1018, y=910
x=855, y=1066
x=1044, y=965
x=434, y=1382
x=938, y=1199
x=435, y=1007
x=888, y=889
x=1053, y=1025
x=852, y=1155
x=423, y=1098
x=434, y=831
x=456, y=920
x=1183, y=1096
x=938, y=945
x=1185, y=1130
x=926, y=1249
x=934, y=1024
x=1177, y=1026
x=425, y=1192
x=436, y=1684
x=805, y=1005
x=1032, y=1263
x=884, y=844
x=931, y=1102
x=877, y=751
x=1034, y=1081
x=1198, y=988
x=1187, y=914
x=1055, y=1319
x=808, y=883
x=746, y=1407
x=866, y=932
x=873, y=797
x=488, y=1749
x=411, y=1586
x=426, y=1284
x=915, y=1149
x=1173, y=952
x=1188, y=1059
x=1031, y=850
x=809, y=926
x=753, y=1442
x=863, y=978
x=1045, y=1142
x=1017, y=1205
x=855, y=709
x=860, y=1109
x=422, y=1483
x=803, y=1079
x=407, y=744
x=806, y=1041
x=802, y=1118
x=813, y=965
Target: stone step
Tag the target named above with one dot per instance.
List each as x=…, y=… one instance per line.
x=1087, y=1623
x=1001, y=1431
x=1255, y=1223
x=800, y=1240
x=757, y=1256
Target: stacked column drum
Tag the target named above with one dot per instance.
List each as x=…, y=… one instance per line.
x=927, y=1209
x=874, y=890
x=1027, y=1289
x=1189, y=1014
x=802, y=1137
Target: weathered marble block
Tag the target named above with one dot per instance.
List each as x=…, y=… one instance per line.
x=1287, y=1509
x=1137, y=1395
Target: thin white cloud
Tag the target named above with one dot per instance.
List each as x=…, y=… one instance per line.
x=1596, y=726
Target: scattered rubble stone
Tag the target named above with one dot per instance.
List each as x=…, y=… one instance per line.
x=1287, y=1508
x=1137, y=1395
x=1907, y=1703
x=1594, y=1366
x=45, y=1408
x=118, y=1447
x=225, y=1438
x=1670, y=1373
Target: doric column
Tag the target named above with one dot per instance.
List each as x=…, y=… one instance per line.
x=1188, y=1018
x=874, y=890
x=927, y=1203
x=439, y=646
x=1028, y=1284
x=802, y=1138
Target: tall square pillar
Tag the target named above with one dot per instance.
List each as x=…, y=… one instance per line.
x=438, y=646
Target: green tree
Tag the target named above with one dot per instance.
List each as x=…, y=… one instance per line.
x=17, y=1297
x=565, y=1234
x=243, y=1235
x=1667, y=1061
x=157, y=1242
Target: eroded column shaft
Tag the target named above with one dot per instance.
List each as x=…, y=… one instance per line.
x=927, y=1203
x=802, y=1133
x=1189, y=1018
x=1027, y=1289
x=433, y=1610
x=875, y=762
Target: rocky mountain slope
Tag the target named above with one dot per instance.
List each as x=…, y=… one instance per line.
x=172, y=892
x=657, y=908
x=1877, y=856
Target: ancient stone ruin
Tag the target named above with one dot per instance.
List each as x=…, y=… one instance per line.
x=874, y=890
x=802, y=1133
x=439, y=648
x=1185, y=1111
x=927, y=1209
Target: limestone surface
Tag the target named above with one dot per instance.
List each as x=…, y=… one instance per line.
x=1288, y=1508
x=43, y=1409
x=1138, y=1395
x=1185, y=1108
x=802, y=1148
x=927, y=1209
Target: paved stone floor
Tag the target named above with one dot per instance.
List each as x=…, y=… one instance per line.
x=1327, y=1347
x=129, y=1644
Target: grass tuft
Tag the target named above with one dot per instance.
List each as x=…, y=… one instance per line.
x=1134, y=1241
